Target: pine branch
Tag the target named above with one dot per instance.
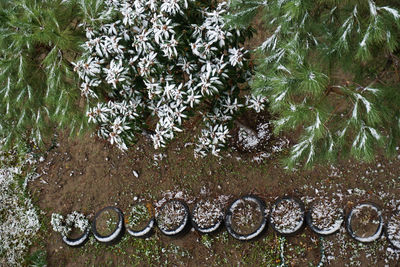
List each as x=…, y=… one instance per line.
x=33, y=76
x=321, y=53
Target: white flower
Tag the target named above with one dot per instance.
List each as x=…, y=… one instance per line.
x=146, y=64
x=236, y=56
x=116, y=73
x=125, y=34
x=127, y=13
x=169, y=90
x=110, y=29
x=198, y=30
x=114, y=3
x=142, y=41
x=158, y=139
x=256, y=102
x=169, y=48
x=153, y=88
x=119, y=126
x=208, y=83
x=58, y=224
x=89, y=68
x=193, y=98
x=86, y=88
x=98, y=113
x=211, y=140
x=156, y=108
x=190, y=82
x=230, y=106
x=90, y=32
x=152, y=4
x=215, y=17
x=114, y=137
x=209, y=49
x=163, y=30
x=179, y=115
x=186, y=66
x=197, y=47
x=112, y=44
x=78, y=220
x=216, y=35
x=100, y=47
x=171, y=7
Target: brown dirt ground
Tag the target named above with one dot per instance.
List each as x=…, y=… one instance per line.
x=88, y=174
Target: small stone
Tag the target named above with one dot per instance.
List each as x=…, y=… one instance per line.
x=135, y=173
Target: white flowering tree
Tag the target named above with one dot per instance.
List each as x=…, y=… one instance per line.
x=162, y=62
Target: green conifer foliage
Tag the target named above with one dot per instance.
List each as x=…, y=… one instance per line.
x=38, y=88
x=330, y=69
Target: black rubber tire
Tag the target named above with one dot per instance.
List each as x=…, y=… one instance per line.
x=77, y=242
x=318, y=231
x=211, y=230
x=378, y=232
x=114, y=237
x=392, y=244
x=147, y=231
x=182, y=228
x=258, y=231
x=302, y=208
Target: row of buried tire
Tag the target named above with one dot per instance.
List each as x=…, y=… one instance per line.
x=187, y=223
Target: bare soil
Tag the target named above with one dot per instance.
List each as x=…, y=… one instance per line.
x=325, y=214
x=87, y=174
x=139, y=217
x=171, y=215
x=287, y=215
x=365, y=222
x=246, y=217
x=207, y=213
x=75, y=233
x=106, y=222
